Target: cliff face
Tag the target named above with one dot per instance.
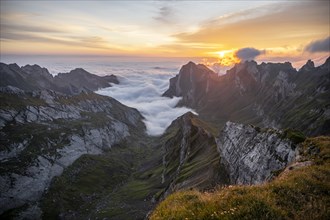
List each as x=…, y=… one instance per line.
x=268, y=95
x=43, y=132
x=190, y=158
x=195, y=157
x=250, y=155
x=192, y=83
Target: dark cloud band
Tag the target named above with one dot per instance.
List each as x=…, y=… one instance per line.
x=248, y=53
x=322, y=45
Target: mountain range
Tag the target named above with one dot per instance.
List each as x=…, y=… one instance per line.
x=69, y=153
x=267, y=95
x=33, y=77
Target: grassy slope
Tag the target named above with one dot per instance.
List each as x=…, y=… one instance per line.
x=302, y=193
x=117, y=185
x=125, y=182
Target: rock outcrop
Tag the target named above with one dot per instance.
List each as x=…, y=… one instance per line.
x=268, y=95
x=192, y=83
x=196, y=157
x=252, y=156
x=43, y=132
x=190, y=158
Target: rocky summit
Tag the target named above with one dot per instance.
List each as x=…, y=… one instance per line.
x=268, y=95
x=69, y=153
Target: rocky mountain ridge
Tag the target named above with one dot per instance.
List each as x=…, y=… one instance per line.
x=239, y=154
x=85, y=156
x=301, y=191
x=190, y=154
x=268, y=94
x=252, y=155
x=43, y=132
x=34, y=77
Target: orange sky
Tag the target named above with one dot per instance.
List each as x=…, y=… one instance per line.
x=281, y=30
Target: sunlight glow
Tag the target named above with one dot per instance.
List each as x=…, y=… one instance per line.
x=221, y=54
x=224, y=58
x=164, y=28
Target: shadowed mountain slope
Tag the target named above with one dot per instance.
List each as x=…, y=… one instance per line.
x=269, y=94
x=34, y=77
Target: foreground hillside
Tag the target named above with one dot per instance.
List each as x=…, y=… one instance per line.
x=301, y=191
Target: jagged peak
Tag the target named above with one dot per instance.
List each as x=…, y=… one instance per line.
x=76, y=71
x=327, y=60
x=199, y=67
x=191, y=63
x=35, y=68
x=308, y=66
x=248, y=64
x=245, y=63
x=32, y=66
x=12, y=66
x=326, y=64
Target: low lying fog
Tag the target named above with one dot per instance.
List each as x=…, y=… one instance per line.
x=142, y=90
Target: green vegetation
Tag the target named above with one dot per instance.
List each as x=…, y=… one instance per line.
x=45, y=138
x=191, y=157
x=81, y=97
x=11, y=101
x=39, y=139
x=118, y=184
x=295, y=136
x=299, y=193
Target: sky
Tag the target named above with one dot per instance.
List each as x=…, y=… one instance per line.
x=227, y=31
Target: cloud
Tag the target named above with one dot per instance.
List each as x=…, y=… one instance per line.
x=164, y=14
x=248, y=53
x=142, y=89
x=31, y=28
x=272, y=24
x=322, y=45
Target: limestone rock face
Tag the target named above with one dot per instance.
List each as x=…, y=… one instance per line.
x=194, y=156
x=43, y=132
x=250, y=155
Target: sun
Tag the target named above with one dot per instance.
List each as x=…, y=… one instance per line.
x=221, y=54
x=227, y=57
x=224, y=58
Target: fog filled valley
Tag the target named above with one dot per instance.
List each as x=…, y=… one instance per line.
x=120, y=143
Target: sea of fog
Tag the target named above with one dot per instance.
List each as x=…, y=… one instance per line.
x=142, y=83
